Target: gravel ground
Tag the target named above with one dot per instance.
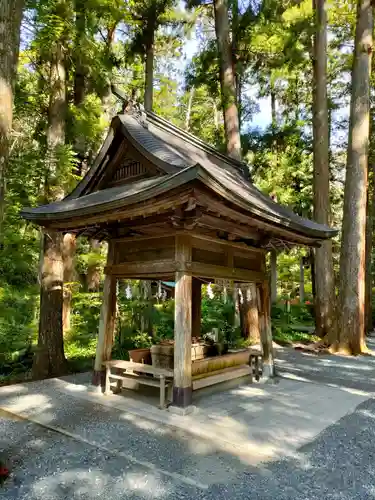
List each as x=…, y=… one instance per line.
x=356, y=373
x=339, y=464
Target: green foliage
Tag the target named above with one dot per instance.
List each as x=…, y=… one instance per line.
x=287, y=336
x=299, y=314
x=272, y=53
x=18, y=327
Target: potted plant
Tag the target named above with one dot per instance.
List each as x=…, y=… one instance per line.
x=141, y=353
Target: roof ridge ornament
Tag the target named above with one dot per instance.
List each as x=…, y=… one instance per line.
x=131, y=105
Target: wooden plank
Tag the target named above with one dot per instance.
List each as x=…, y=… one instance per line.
x=157, y=204
x=182, y=390
x=211, y=271
x=248, y=263
x=210, y=243
x=139, y=367
x=250, y=221
x=142, y=269
x=136, y=244
x=229, y=227
x=107, y=320
x=151, y=255
x=135, y=240
x=141, y=380
x=224, y=376
x=208, y=256
x=196, y=307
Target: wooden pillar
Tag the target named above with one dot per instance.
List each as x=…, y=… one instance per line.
x=273, y=276
x=106, y=323
x=196, y=307
x=265, y=330
x=182, y=389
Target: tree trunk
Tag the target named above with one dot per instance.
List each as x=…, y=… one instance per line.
x=56, y=112
x=106, y=96
x=149, y=70
x=80, y=72
x=188, y=111
x=301, y=281
x=49, y=359
x=10, y=26
x=273, y=276
x=324, y=274
x=368, y=265
x=79, y=81
x=236, y=305
x=227, y=80
x=93, y=268
x=312, y=269
x=249, y=314
x=273, y=108
x=146, y=317
x=352, y=258
x=69, y=249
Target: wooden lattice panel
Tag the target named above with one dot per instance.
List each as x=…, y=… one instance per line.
x=128, y=170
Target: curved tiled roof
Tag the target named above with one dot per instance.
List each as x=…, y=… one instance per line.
x=181, y=158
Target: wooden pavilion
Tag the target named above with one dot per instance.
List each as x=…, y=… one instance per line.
x=174, y=208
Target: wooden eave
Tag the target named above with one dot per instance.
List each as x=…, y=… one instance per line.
x=228, y=203
x=165, y=193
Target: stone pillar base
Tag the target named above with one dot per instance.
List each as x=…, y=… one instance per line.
x=268, y=370
x=177, y=410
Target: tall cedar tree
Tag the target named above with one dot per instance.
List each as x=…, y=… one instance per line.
x=227, y=80
x=49, y=359
x=10, y=27
x=324, y=275
x=352, y=258
x=79, y=87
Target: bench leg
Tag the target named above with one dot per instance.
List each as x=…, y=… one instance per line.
x=162, y=392
x=257, y=376
x=107, y=390
x=119, y=386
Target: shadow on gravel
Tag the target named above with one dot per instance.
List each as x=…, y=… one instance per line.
x=133, y=458
x=348, y=373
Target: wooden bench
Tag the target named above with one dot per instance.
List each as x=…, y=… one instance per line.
x=162, y=377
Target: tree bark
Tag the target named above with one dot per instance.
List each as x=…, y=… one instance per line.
x=273, y=108
x=227, y=80
x=249, y=314
x=188, y=111
x=79, y=81
x=93, y=268
x=69, y=249
x=368, y=264
x=149, y=69
x=301, y=281
x=352, y=258
x=106, y=96
x=324, y=274
x=10, y=27
x=273, y=276
x=49, y=359
x=146, y=317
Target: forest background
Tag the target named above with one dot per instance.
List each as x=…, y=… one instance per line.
x=285, y=55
